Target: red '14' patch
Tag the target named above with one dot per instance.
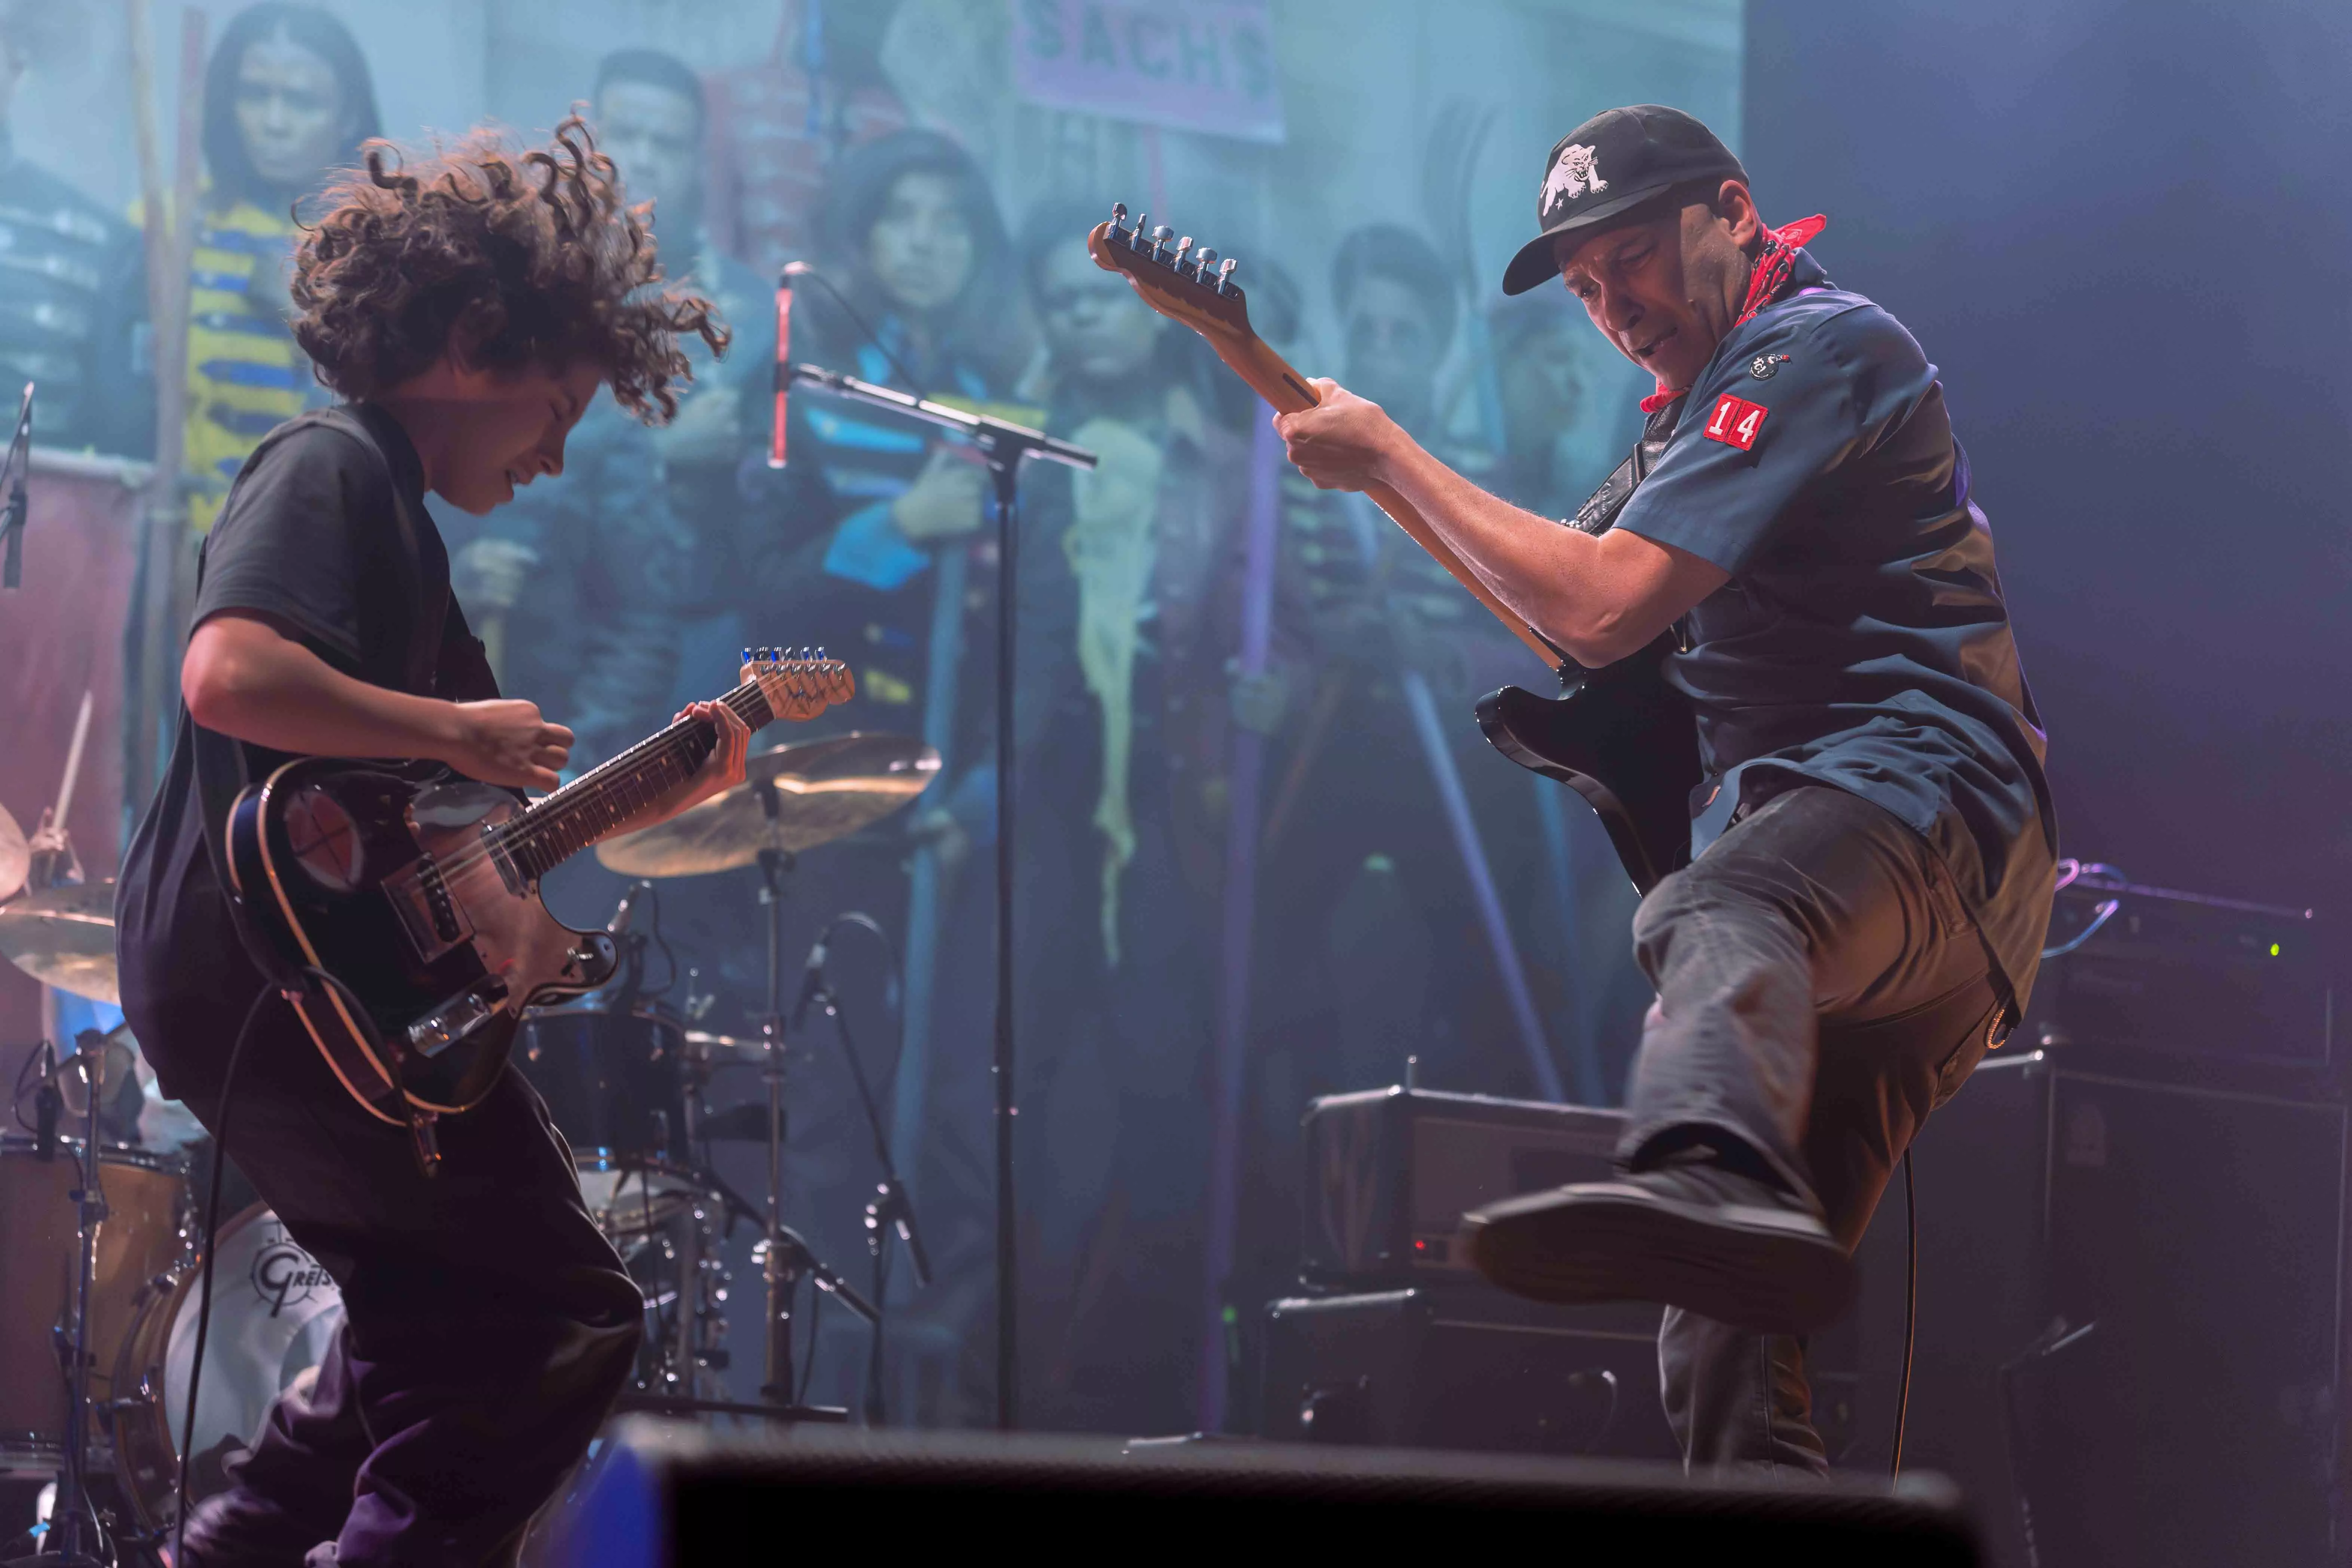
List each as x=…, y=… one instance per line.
x=1735, y=422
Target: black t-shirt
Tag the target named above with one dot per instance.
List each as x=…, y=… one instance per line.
x=1862, y=640
x=326, y=531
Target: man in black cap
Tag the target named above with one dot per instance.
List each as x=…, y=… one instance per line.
x=1835, y=965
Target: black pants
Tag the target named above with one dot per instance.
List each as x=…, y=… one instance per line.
x=487, y=1324
x=1821, y=988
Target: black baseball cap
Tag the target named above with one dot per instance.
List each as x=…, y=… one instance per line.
x=1608, y=166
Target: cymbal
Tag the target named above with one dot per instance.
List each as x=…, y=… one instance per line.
x=822, y=790
x=65, y=937
x=16, y=856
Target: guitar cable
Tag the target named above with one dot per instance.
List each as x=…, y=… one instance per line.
x=1910, y=1314
x=212, y=1224
x=205, y=1270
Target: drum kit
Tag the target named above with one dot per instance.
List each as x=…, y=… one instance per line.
x=102, y=1240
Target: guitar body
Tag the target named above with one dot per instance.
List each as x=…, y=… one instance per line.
x=383, y=876
x=1623, y=740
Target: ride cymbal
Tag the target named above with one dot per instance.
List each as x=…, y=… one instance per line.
x=796, y=797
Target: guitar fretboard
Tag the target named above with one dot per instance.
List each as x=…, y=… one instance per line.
x=554, y=830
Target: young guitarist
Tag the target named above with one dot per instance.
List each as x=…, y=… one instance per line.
x=1835, y=964
x=467, y=309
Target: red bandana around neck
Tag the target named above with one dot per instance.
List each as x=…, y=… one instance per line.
x=1773, y=265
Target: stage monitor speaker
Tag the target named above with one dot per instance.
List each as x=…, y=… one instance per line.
x=669, y=1495
x=2129, y=1319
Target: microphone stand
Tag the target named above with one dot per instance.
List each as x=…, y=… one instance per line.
x=892, y=1208
x=1003, y=445
x=81, y=1540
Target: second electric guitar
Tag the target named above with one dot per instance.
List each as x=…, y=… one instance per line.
x=417, y=892
x=1619, y=736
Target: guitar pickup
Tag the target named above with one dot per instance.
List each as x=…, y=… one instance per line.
x=457, y=1017
x=429, y=917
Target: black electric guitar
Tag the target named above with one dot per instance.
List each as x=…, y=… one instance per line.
x=1620, y=737
x=417, y=892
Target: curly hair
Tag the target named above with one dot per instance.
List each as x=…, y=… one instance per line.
x=526, y=261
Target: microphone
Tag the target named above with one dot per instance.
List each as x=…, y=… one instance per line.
x=48, y=1104
x=812, y=979
x=12, y=513
x=784, y=353
x=618, y=926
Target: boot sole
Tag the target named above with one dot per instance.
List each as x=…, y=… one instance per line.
x=1752, y=1267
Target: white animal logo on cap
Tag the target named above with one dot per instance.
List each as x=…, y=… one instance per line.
x=1573, y=175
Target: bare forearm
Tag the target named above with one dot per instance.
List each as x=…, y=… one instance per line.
x=242, y=679
x=1556, y=578
x=1599, y=597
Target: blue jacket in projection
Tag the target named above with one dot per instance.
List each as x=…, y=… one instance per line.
x=857, y=585
x=1863, y=639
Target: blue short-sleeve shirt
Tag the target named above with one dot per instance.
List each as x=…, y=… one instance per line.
x=1862, y=639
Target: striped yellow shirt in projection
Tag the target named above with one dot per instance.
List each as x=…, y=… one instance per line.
x=246, y=376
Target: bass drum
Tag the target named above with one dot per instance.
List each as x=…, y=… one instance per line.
x=40, y=1257
x=274, y=1310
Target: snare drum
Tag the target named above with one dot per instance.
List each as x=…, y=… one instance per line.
x=40, y=1260
x=274, y=1310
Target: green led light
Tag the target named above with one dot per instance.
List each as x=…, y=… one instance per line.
x=2273, y=950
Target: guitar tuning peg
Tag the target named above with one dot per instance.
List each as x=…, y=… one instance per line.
x=1118, y=214
x=1226, y=275
x=1161, y=235
x=1182, y=246
x=1202, y=259
x=747, y=656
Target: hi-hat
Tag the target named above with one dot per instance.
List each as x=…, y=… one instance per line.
x=16, y=856
x=819, y=790
x=65, y=937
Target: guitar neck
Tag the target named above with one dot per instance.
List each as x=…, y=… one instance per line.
x=1272, y=378
x=559, y=826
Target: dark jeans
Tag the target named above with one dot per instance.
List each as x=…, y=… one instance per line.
x=1820, y=989
x=487, y=1324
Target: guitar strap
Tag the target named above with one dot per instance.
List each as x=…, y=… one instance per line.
x=1599, y=512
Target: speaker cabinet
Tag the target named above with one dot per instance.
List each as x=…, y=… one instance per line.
x=2129, y=1319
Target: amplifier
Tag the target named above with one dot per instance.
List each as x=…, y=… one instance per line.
x=1390, y=1172
x=667, y=1495
x=1463, y=1366
x=2154, y=969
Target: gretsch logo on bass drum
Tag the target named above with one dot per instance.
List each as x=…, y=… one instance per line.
x=284, y=1274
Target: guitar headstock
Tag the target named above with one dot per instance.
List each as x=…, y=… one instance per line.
x=1186, y=283
x=797, y=683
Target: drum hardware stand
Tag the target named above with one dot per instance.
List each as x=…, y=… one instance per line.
x=800, y=1260
x=1003, y=445
x=784, y=1257
x=776, y=1264
x=71, y=1513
